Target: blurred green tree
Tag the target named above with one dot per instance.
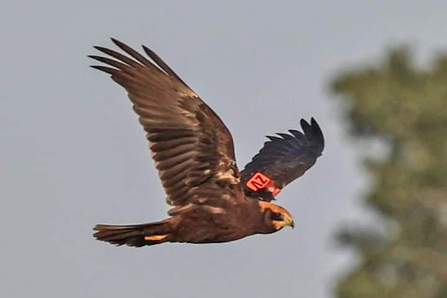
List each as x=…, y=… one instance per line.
x=406, y=107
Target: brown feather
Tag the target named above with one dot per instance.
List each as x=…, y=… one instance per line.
x=186, y=136
x=194, y=154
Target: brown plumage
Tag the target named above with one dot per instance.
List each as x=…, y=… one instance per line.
x=194, y=154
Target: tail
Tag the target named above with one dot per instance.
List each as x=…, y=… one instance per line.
x=134, y=235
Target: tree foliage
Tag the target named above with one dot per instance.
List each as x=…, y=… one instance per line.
x=405, y=106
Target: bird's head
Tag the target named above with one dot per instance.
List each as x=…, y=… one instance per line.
x=274, y=216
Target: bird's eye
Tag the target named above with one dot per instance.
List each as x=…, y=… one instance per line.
x=277, y=216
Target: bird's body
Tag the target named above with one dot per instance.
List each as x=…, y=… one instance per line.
x=193, y=151
x=221, y=224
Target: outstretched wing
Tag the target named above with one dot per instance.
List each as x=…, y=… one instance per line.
x=192, y=148
x=281, y=160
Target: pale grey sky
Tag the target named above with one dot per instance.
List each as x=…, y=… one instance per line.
x=72, y=153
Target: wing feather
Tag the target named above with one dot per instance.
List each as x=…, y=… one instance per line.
x=192, y=148
x=285, y=158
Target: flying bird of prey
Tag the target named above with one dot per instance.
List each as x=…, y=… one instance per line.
x=194, y=154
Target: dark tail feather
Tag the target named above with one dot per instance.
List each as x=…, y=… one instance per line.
x=133, y=235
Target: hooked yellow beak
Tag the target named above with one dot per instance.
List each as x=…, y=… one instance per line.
x=288, y=221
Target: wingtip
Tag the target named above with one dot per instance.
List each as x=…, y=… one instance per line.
x=118, y=43
x=315, y=124
x=312, y=123
x=114, y=40
x=104, y=69
x=147, y=50
x=101, y=49
x=318, y=133
x=304, y=124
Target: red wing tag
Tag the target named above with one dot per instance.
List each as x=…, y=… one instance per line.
x=260, y=181
x=257, y=181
